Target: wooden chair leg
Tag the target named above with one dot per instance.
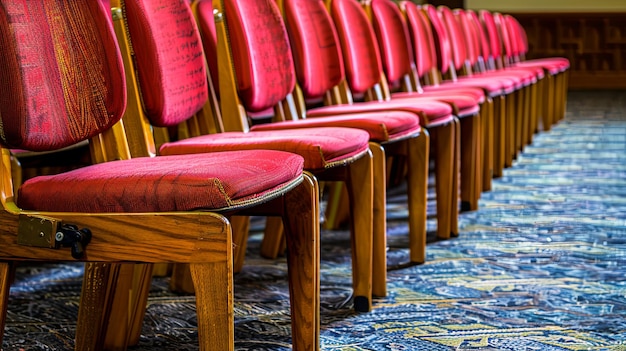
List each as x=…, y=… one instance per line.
x=100, y=293
x=518, y=127
x=548, y=104
x=487, y=120
x=470, y=161
x=500, y=112
x=443, y=143
x=417, y=184
x=510, y=122
x=142, y=280
x=6, y=277
x=273, y=239
x=539, y=101
x=379, y=236
x=302, y=229
x=360, y=190
x=213, y=285
x=241, y=227
x=456, y=172
x=338, y=206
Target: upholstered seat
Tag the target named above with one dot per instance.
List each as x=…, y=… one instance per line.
x=321, y=147
x=384, y=126
x=219, y=181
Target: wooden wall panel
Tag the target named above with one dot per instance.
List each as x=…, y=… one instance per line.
x=595, y=44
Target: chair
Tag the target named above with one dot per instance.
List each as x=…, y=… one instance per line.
x=433, y=68
x=333, y=154
x=398, y=65
x=363, y=74
x=391, y=132
x=65, y=83
x=556, y=68
x=464, y=59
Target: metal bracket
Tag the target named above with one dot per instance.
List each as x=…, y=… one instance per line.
x=51, y=233
x=37, y=231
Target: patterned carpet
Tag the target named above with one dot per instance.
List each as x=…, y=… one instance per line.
x=540, y=266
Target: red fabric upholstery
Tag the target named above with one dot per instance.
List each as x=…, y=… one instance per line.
x=176, y=87
x=46, y=106
x=382, y=126
x=161, y=184
x=261, y=53
x=318, y=58
x=320, y=147
x=424, y=52
x=358, y=43
x=392, y=33
x=432, y=111
x=393, y=37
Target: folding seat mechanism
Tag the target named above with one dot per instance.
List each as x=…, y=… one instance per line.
x=47, y=232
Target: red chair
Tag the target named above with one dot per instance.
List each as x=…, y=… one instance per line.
x=391, y=132
x=337, y=154
x=440, y=65
x=398, y=65
x=363, y=75
x=556, y=68
x=65, y=83
x=464, y=59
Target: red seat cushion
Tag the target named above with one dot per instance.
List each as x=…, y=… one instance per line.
x=161, y=184
x=431, y=111
x=320, y=147
x=477, y=95
x=382, y=126
x=466, y=105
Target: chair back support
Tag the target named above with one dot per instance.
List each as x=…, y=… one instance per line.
x=480, y=37
x=492, y=33
x=425, y=52
x=458, y=46
x=518, y=34
x=470, y=36
x=45, y=105
x=440, y=38
x=169, y=58
x=358, y=43
x=316, y=51
x=261, y=53
x=393, y=38
x=503, y=34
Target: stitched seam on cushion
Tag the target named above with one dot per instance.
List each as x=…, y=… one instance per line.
x=234, y=205
x=344, y=161
x=218, y=183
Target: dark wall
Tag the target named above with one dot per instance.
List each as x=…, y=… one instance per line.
x=450, y=3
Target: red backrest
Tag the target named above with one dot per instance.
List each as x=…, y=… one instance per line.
x=358, y=44
x=457, y=40
x=316, y=51
x=492, y=33
x=517, y=35
x=261, y=52
x=169, y=57
x=424, y=53
x=393, y=37
x=480, y=35
x=58, y=85
x=469, y=33
x=441, y=38
x=504, y=34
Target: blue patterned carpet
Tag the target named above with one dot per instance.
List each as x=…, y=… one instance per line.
x=540, y=266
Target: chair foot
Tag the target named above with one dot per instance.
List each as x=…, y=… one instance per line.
x=361, y=304
x=466, y=206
